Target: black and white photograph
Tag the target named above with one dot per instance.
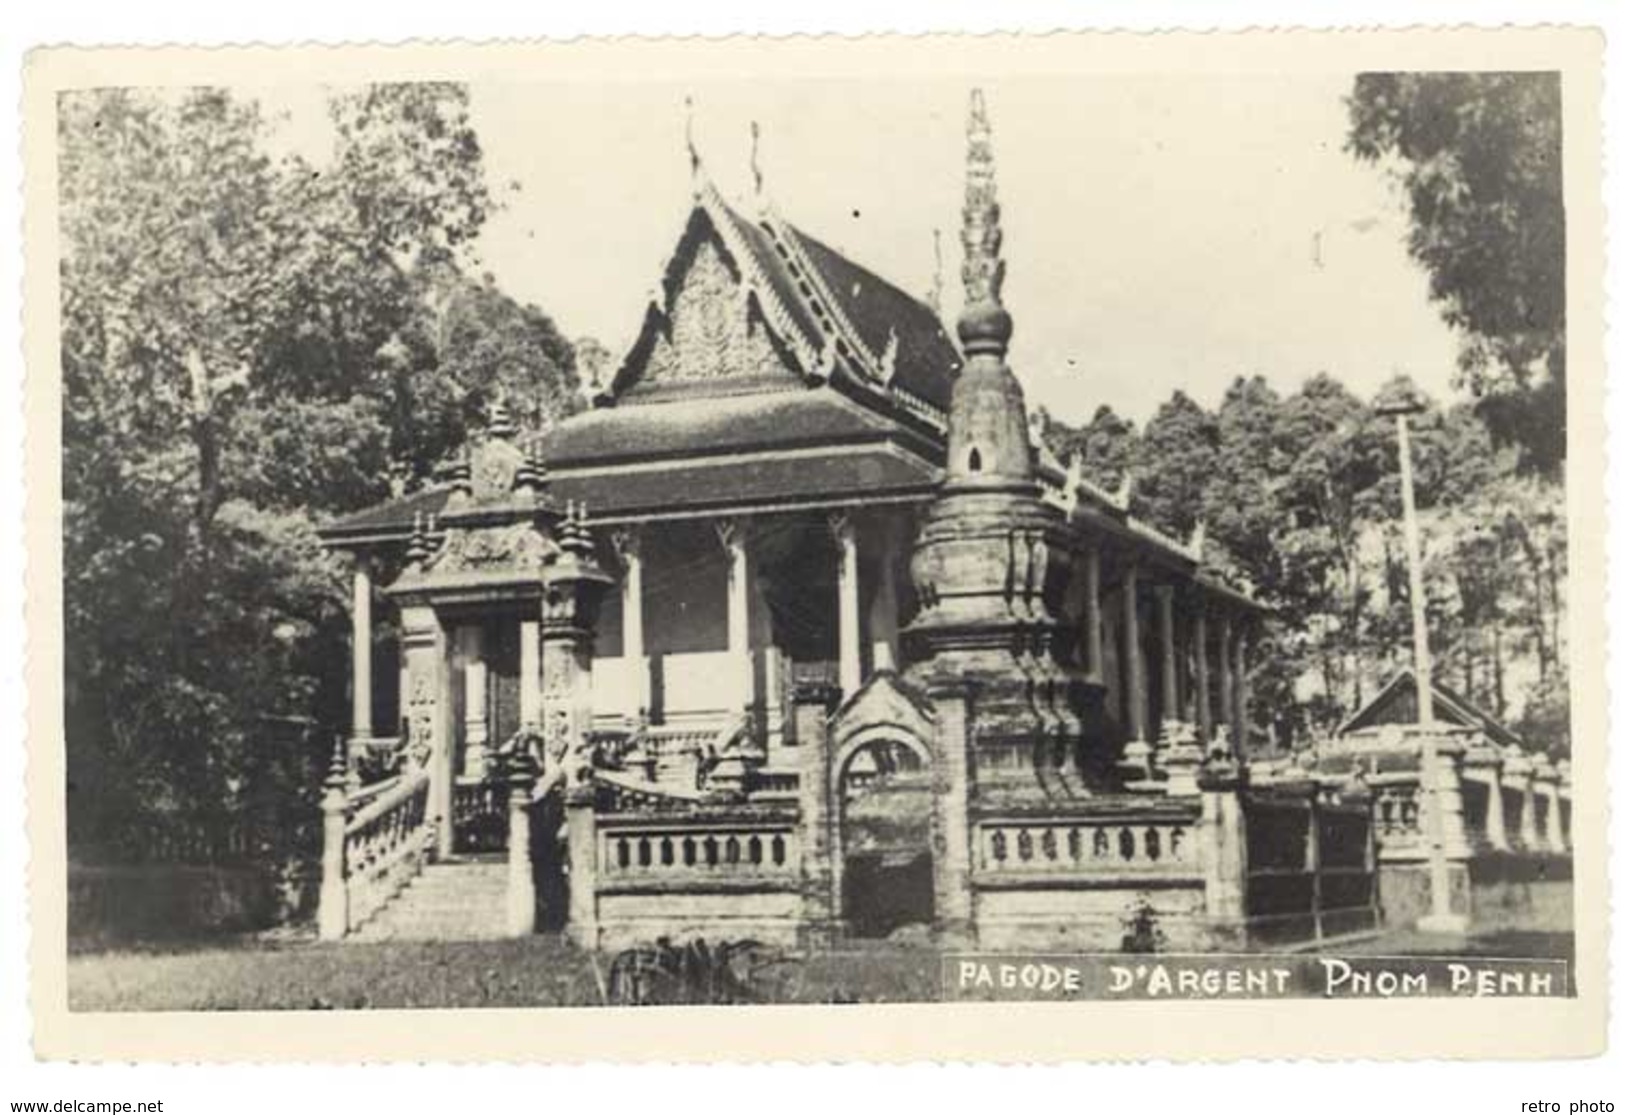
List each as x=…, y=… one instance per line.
x=966, y=532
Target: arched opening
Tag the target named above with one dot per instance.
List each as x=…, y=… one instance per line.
x=974, y=462
x=886, y=814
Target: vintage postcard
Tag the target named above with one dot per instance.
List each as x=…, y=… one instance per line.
x=1083, y=546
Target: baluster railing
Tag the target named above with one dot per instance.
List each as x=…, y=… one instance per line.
x=370, y=853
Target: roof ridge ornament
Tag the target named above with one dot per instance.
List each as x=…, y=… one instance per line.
x=756, y=165
x=695, y=169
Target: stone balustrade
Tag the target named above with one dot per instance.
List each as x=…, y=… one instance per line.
x=689, y=852
x=383, y=845
x=1037, y=846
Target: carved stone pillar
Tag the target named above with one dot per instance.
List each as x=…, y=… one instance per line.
x=333, y=902
x=428, y=744
x=849, y=640
x=1224, y=822
x=732, y=534
x=1227, y=680
x=521, y=902
x=955, y=898
x=820, y=898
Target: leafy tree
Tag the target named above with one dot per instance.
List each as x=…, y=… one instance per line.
x=249, y=344
x=1176, y=457
x=1479, y=156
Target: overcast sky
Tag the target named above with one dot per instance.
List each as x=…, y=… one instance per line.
x=1161, y=231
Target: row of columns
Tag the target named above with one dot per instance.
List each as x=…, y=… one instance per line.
x=734, y=536
x=1232, y=646
x=1536, y=834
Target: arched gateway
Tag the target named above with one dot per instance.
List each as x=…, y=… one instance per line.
x=883, y=809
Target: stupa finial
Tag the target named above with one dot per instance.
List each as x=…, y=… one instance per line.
x=984, y=325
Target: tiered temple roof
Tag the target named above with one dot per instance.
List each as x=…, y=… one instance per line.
x=772, y=372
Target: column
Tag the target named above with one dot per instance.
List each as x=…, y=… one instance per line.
x=521, y=897
x=530, y=673
x=955, y=901
x=1170, y=657
x=427, y=702
x=361, y=654
x=820, y=896
x=1238, y=730
x=1495, y=821
x=476, y=726
x=1552, y=837
x=883, y=609
x=850, y=643
x=1133, y=658
x=1204, y=704
x=732, y=534
x=1091, y=615
x=628, y=545
x=1227, y=681
x=333, y=902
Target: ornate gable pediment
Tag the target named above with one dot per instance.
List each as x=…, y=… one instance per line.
x=886, y=704
x=713, y=333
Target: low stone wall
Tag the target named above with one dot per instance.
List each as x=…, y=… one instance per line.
x=682, y=877
x=1497, y=890
x=158, y=901
x=1093, y=915
x=1511, y=891
x=1116, y=874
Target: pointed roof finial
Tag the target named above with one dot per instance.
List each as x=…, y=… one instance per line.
x=984, y=325
x=936, y=273
x=499, y=423
x=756, y=159
x=417, y=547
x=688, y=139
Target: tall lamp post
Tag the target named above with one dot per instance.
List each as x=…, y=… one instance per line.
x=1439, y=918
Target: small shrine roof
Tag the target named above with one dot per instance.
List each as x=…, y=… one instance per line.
x=1395, y=703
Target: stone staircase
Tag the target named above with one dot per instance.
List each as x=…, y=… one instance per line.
x=463, y=899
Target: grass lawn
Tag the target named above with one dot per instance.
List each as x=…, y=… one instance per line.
x=538, y=971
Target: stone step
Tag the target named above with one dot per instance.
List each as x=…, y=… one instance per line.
x=448, y=901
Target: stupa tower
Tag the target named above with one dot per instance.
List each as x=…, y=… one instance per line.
x=992, y=558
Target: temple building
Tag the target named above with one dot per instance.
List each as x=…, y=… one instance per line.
x=797, y=633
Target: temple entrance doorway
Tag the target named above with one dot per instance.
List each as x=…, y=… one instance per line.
x=886, y=815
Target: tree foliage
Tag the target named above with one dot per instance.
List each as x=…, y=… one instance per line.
x=1479, y=156
x=251, y=343
x=1299, y=497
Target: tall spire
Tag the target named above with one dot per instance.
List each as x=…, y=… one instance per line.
x=984, y=326
x=987, y=418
